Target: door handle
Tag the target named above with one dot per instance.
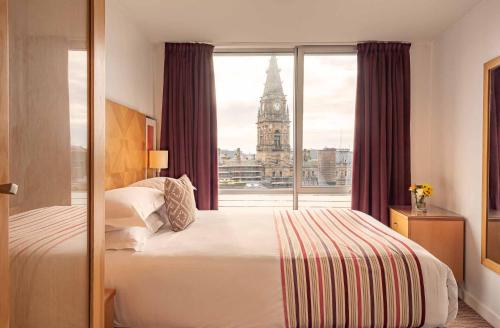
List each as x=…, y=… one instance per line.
x=9, y=189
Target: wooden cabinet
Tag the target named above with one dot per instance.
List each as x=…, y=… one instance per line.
x=439, y=231
x=109, y=305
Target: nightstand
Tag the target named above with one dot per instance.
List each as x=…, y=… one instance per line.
x=109, y=306
x=439, y=231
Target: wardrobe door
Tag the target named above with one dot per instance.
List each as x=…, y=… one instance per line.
x=49, y=160
x=4, y=167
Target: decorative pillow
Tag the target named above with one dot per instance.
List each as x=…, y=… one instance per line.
x=180, y=205
x=131, y=238
x=155, y=183
x=132, y=206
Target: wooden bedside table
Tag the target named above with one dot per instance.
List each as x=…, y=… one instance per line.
x=109, y=306
x=439, y=231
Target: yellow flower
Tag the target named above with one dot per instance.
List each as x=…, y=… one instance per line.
x=424, y=189
x=427, y=189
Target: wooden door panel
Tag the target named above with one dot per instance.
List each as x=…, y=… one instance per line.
x=4, y=166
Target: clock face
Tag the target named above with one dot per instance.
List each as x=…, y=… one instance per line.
x=277, y=106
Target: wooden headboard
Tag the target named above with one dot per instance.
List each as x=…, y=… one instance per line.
x=126, y=156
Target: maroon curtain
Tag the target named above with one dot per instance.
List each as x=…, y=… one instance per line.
x=381, y=159
x=494, y=142
x=189, y=125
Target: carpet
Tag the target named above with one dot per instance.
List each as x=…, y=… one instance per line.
x=468, y=318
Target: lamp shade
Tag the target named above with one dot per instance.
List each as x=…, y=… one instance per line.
x=158, y=159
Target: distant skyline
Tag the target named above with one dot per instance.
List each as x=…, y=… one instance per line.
x=329, y=96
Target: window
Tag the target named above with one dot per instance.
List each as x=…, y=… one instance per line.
x=77, y=91
x=256, y=93
x=277, y=140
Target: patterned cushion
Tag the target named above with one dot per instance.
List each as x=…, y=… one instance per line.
x=179, y=202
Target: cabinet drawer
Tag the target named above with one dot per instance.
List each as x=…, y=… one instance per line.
x=399, y=223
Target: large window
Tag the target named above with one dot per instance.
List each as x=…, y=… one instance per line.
x=258, y=135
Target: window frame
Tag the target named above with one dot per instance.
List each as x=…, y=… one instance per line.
x=299, y=52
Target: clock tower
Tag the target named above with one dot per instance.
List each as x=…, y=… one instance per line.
x=273, y=128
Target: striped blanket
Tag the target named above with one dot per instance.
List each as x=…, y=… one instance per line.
x=339, y=269
x=39, y=230
x=49, y=267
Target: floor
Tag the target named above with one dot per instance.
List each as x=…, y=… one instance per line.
x=468, y=318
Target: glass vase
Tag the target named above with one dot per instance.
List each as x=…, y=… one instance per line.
x=420, y=204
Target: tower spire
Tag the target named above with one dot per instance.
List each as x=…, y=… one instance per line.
x=273, y=81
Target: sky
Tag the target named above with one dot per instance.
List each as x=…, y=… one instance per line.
x=77, y=88
x=329, y=98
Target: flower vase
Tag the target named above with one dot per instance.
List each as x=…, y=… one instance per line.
x=420, y=204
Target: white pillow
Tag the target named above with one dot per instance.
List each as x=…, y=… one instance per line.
x=155, y=183
x=162, y=212
x=131, y=207
x=131, y=238
x=153, y=222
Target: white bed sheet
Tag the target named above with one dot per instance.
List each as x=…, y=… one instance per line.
x=223, y=271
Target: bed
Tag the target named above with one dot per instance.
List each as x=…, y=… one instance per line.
x=277, y=268
x=49, y=267
x=251, y=267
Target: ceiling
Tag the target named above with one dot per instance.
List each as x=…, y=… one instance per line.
x=293, y=21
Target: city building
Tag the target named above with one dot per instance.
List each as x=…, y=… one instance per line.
x=78, y=168
x=326, y=165
x=273, y=131
x=239, y=171
x=344, y=167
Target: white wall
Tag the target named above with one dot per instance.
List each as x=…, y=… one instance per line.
x=129, y=61
x=158, y=64
x=455, y=127
x=420, y=56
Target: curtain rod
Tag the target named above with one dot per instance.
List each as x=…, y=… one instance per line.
x=278, y=44
x=284, y=45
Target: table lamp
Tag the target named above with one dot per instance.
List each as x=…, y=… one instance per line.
x=158, y=159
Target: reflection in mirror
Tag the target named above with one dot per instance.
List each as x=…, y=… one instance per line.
x=48, y=132
x=493, y=220
x=77, y=91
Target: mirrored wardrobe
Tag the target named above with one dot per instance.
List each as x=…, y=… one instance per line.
x=48, y=191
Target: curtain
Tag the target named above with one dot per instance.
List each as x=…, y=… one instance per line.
x=381, y=159
x=494, y=146
x=189, y=124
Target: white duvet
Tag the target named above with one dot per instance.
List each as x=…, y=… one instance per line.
x=224, y=271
